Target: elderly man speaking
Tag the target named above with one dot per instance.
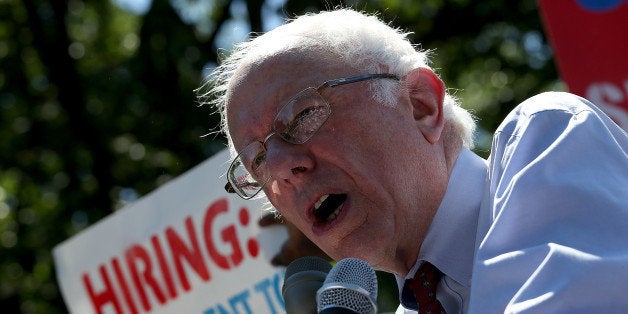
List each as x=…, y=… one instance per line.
x=341, y=124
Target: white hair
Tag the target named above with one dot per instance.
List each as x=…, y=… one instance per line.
x=360, y=40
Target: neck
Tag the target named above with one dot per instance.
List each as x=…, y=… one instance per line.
x=452, y=146
x=406, y=258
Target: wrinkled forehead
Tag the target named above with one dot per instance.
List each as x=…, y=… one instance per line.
x=260, y=87
x=274, y=68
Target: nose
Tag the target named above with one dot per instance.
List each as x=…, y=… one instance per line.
x=286, y=162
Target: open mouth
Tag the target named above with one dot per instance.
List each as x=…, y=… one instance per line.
x=328, y=207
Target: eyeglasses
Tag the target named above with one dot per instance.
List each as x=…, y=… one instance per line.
x=296, y=122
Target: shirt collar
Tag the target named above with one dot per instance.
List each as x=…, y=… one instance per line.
x=450, y=241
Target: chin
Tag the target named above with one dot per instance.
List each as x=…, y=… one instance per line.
x=362, y=245
x=366, y=254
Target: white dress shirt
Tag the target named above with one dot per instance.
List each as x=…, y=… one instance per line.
x=450, y=242
x=551, y=235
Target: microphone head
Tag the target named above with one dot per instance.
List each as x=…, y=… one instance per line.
x=314, y=263
x=303, y=277
x=351, y=284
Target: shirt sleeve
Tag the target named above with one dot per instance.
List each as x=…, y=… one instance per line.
x=556, y=210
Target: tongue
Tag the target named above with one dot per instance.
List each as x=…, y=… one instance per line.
x=329, y=206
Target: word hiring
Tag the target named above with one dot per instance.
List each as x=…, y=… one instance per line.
x=168, y=258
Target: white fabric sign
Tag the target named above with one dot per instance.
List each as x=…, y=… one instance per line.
x=188, y=247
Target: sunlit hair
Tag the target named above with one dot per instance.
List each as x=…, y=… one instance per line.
x=359, y=40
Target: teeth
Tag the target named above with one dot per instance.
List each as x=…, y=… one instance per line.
x=320, y=201
x=324, y=213
x=334, y=214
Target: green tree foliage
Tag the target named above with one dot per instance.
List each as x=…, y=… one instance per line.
x=97, y=105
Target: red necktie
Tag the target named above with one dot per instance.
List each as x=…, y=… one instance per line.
x=424, y=287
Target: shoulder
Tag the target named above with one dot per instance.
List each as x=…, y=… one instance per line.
x=550, y=109
x=552, y=101
x=555, y=130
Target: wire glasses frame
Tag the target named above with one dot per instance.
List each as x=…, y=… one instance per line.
x=297, y=121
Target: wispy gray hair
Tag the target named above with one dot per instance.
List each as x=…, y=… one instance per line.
x=360, y=40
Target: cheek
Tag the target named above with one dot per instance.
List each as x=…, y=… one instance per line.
x=283, y=205
x=378, y=147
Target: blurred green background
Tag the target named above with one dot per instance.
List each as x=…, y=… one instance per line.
x=97, y=106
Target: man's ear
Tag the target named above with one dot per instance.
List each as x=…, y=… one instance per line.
x=427, y=93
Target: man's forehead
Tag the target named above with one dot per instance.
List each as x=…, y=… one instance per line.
x=270, y=76
x=262, y=84
x=264, y=79
x=258, y=89
x=280, y=63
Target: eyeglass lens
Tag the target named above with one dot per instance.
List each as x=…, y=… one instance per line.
x=295, y=123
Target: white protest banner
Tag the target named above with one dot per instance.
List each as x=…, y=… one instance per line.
x=188, y=247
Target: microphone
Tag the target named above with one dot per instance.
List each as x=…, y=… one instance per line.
x=350, y=287
x=303, y=277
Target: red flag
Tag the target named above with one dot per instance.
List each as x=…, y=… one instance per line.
x=590, y=42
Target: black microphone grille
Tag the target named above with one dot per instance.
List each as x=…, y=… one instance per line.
x=351, y=284
x=307, y=263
